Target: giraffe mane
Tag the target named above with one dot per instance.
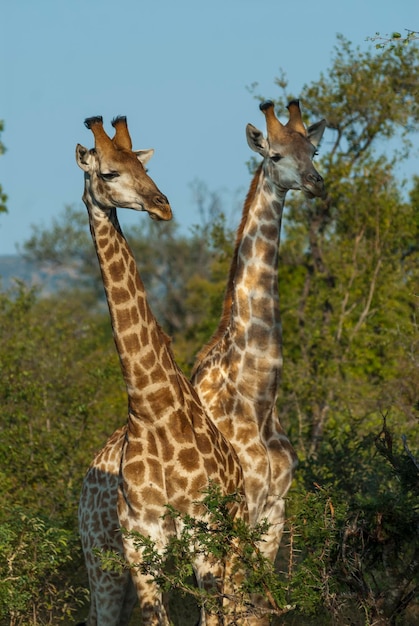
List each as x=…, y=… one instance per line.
x=165, y=337
x=228, y=297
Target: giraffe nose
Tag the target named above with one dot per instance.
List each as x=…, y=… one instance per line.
x=314, y=185
x=161, y=199
x=163, y=209
x=315, y=179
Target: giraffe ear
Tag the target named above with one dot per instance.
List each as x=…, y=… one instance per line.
x=315, y=132
x=84, y=158
x=256, y=140
x=144, y=155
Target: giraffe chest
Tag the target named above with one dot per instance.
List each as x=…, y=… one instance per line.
x=172, y=463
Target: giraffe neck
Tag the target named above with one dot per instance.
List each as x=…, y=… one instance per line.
x=146, y=359
x=248, y=340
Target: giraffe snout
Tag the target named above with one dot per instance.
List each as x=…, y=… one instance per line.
x=315, y=179
x=314, y=185
x=161, y=199
x=162, y=209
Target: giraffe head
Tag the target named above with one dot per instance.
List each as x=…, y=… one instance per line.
x=288, y=150
x=115, y=174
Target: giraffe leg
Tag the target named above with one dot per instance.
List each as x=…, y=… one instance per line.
x=209, y=577
x=234, y=609
x=153, y=610
x=276, y=517
x=269, y=548
x=113, y=599
x=150, y=598
x=130, y=600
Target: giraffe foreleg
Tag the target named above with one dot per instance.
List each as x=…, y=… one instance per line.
x=209, y=576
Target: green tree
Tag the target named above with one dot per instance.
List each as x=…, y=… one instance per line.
x=354, y=534
x=61, y=396
x=217, y=536
x=349, y=264
x=394, y=39
x=349, y=294
x=66, y=243
x=36, y=558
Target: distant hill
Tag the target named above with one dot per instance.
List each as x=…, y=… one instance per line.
x=47, y=278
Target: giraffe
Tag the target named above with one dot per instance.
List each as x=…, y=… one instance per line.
x=243, y=359
x=169, y=450
x=237, y=373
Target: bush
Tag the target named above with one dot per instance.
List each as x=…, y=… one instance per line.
x=355, y=535
x=36, y=558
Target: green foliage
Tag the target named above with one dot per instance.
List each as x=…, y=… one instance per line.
x=61, y=396
x=353, y=543
x=54, y=385
x=67, y=244
x=366, y=98
x=167, y=261
x=393, y=40
x=217, y=536
x=355, y=533
x=205, y=290
x=35, y=561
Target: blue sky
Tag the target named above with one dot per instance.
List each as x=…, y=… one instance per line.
x=179, y=70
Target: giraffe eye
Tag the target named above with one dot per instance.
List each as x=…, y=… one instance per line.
x=109, y=175
x=276, y=157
